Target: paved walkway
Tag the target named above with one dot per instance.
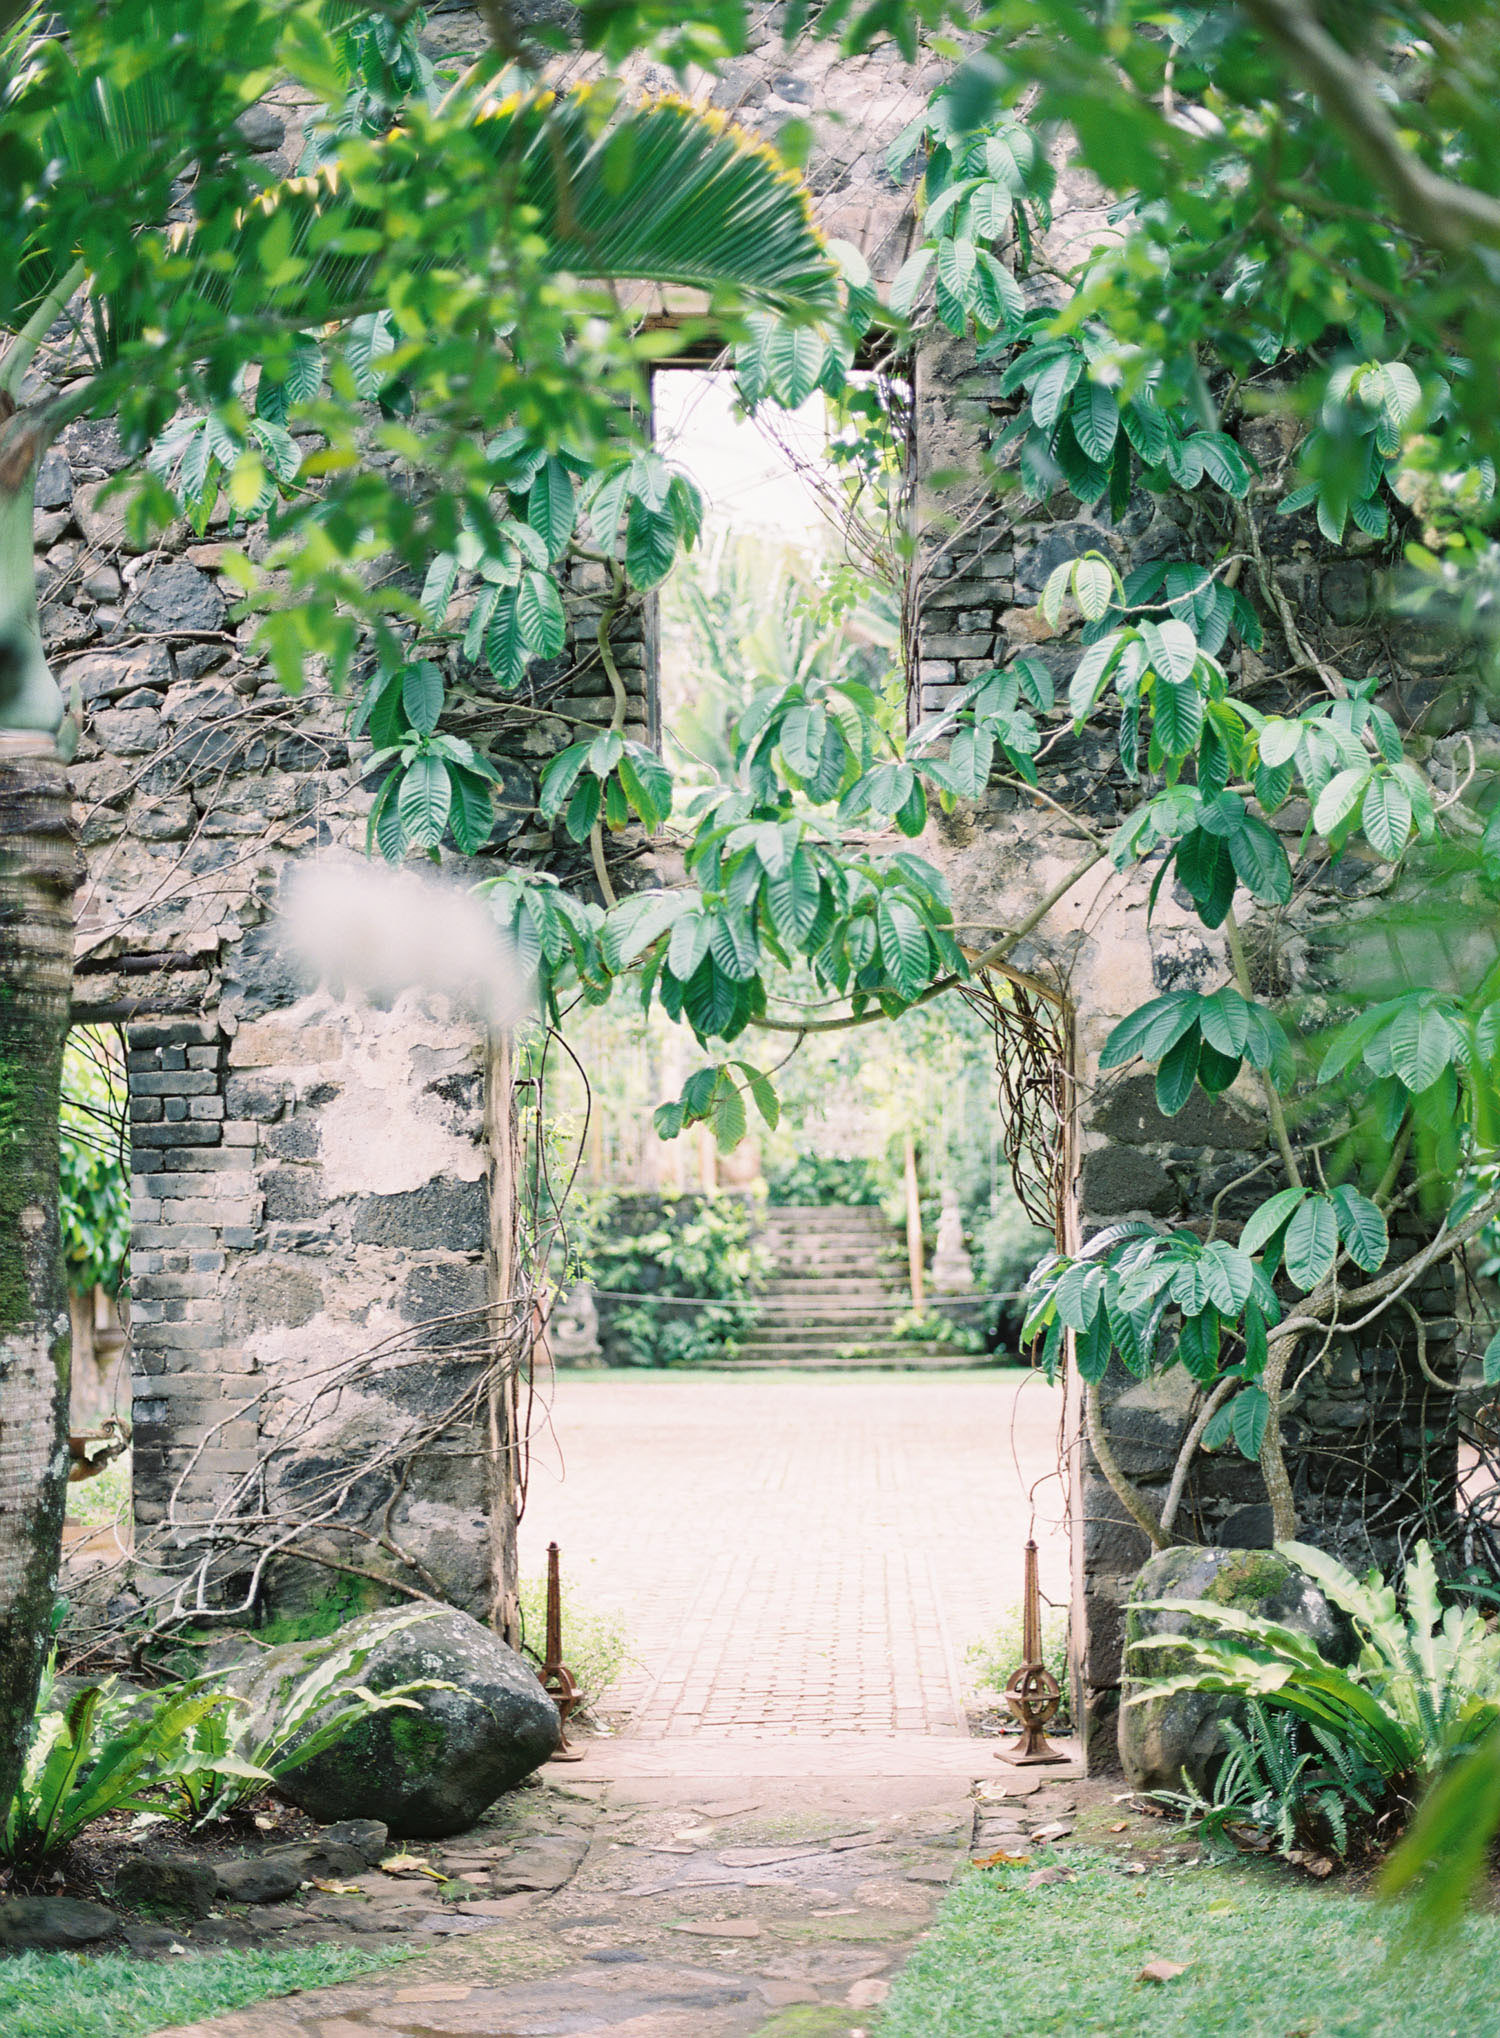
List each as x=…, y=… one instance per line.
x=798, y=1554
x=803, y=1562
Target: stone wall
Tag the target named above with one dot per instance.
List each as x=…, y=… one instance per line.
x=1371, y=1440
x=348, y=1203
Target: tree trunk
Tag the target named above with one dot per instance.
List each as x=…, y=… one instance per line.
x=37, y=878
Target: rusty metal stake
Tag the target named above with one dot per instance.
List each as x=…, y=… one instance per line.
x=1032, y=1692
x=558, y=1680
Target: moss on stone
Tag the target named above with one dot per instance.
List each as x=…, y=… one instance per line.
x=1249, y=1580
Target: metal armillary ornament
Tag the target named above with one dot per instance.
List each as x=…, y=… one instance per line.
x=1032, y=1692
x=558, y=1681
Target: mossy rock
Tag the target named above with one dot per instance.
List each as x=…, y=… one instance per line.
x=1165, y=1738
x=431, y=1769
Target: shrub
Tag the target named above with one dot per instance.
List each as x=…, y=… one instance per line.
x=1007, y=1245
x=992, y=1658
x=93, y=1181
x=931, y=1327
x=596, y=1645
x=1426, y=1686
x=815, y=1179
x=672, y=1251
x=1285, y=1787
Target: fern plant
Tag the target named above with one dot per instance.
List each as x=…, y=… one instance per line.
x=1284, y=1787
x=1425, y=1687
x=99, y=1753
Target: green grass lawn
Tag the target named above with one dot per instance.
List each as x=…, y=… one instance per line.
x=110, y=1995
x=1266, y=1957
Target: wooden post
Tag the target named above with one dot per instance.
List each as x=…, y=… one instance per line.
x=508, y=1330
x=913, y=1225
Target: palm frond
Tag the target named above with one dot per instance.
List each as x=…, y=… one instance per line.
x=659, y=193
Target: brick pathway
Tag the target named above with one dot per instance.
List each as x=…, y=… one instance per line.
x=797, y=1554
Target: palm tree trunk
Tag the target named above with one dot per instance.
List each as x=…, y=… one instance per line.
x=37, y=877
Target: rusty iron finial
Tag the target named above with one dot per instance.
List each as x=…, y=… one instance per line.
x=558, y=1680
x=1032, y=1692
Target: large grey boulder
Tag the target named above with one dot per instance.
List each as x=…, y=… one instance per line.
x=431, y=1771
x=1163, y=1737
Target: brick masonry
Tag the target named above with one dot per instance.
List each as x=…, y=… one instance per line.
x=312, y=1181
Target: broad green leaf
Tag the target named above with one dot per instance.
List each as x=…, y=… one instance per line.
x=1228, y=1277
x=583, y=807
x=1491, y=1361
x=539, y=615
x=1339, y=798
x=1146, y=429
x=766, y=1100
x=551, y=507
x=559, y=778
x=1091, y=674
x=1095, y=418
x=1150, y=1030
x=1198, y=1345
x=505, y=641
x=1362, y=1227
x=1178, y=714
x=1263, y=1224
x=1386, y=817
x=422, y=695
x=903, y=946
x=1171, y=648
x=1224, y=1020
x=1251, y=1409
x=793, y=897
x=1052, y=388
x=424, y=800
x=1093, y=587
x=1312, y=1240
x=1260, y=861
x=728, y=1113
x=794, y=358
x=1176, y=1073
x=471, y=816
x=1422, y=1044
x=650, y=543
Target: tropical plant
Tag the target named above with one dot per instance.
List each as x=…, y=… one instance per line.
x=681, y=1288
x=101, y=1750
x=1424, y=1689
x=233, y=1752
x=1285, y=1786
x=94, y=1185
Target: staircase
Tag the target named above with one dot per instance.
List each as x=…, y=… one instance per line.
x=838, y=1280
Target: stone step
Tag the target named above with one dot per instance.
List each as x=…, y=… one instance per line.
x=890, y=1358
x=824, y=1335
x=823, y=1329
x=835, y=1259
x=852, y=1292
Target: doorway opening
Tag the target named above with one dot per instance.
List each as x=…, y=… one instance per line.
x=793, y=1448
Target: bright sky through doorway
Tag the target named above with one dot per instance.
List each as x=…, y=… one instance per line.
x=747, y=479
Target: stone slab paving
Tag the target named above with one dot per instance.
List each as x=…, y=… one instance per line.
x=806, y=1554
x=802, y=1562
x=774, y=1907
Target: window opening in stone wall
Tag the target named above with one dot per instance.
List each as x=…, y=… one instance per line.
x=95, y=1217
x=800, y=563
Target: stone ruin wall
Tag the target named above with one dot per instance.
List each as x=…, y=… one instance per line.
x=312, y=1179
